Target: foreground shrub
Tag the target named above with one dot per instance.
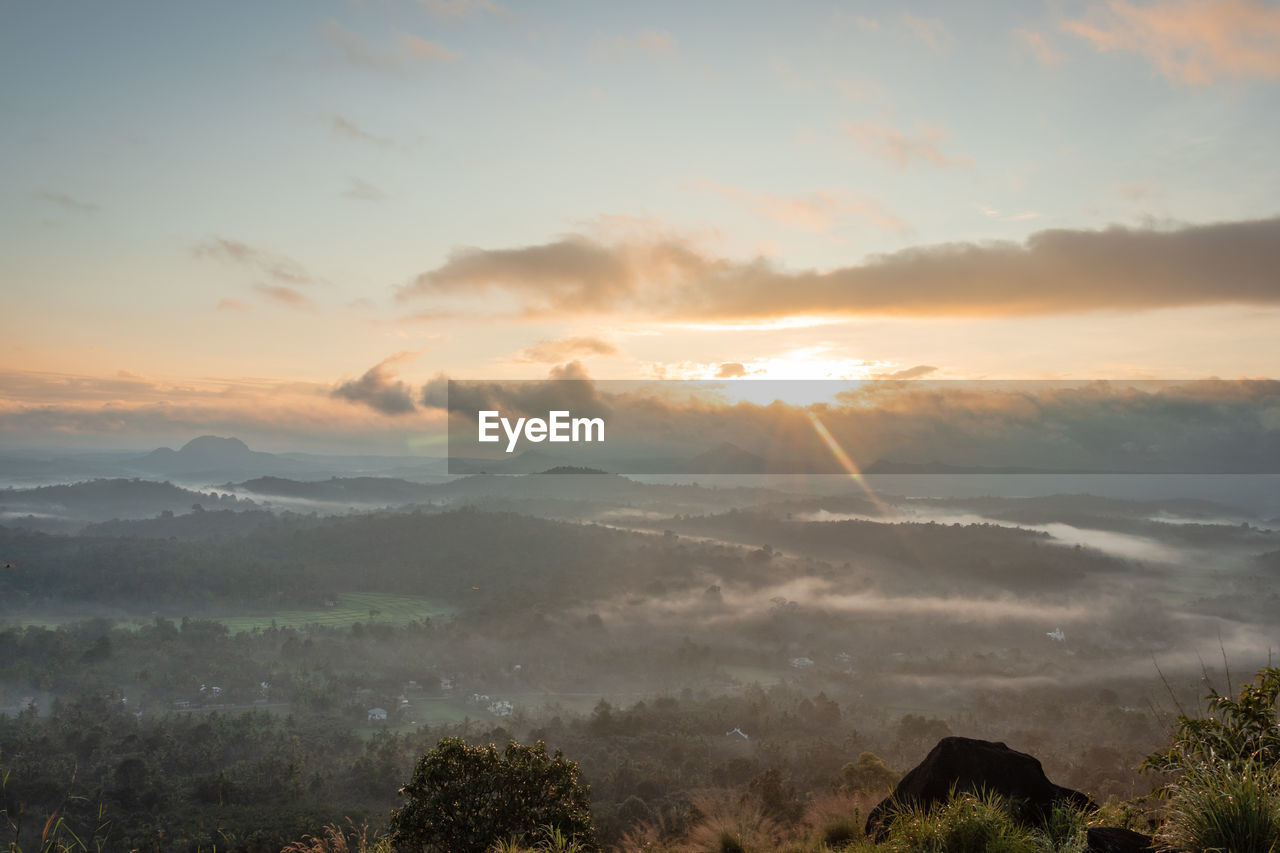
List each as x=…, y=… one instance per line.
x=983, y=823
x=466, y=799
x=727, y=824
x=1224, y=806
x=1225, y=794
x=1239, y=730
x=334, y=839
x=1065, y=830
x=966, y=823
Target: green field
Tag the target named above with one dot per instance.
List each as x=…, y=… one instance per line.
x=352, y=607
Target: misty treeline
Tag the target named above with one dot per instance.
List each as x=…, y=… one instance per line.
x=219, y=773
x=686, y=645
x=296, y=558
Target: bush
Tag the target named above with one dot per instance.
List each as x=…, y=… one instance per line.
x=966, y=823
x=333, y=838
x=840, y=832
x=1219, y=806
x=983, y=823
x=868, y=775
x=1236, y=731
x=466, y=799
x=1226, y=790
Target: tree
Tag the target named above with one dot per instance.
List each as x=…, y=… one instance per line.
x=465, y=799
x=868, y=775
x=1236, y=731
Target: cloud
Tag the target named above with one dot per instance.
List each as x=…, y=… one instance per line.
x=1040, y=47
x=857, y=89
x=284, y=295
x=1134, y=190
x=120, y=410
x=731, y=370
x=407, y=53
x=349, y=129
x=572, y=271
x=1194, y=42
x=993, y=213
x=379, y=389
x=573, y=371
x=230, y=304
x=1206, y=426
x=818, y=213
x=280, y=268
x=1052, y=272
x=931, y=31
x=898, y=149
x=429, y=317
x=362, y=191
x=909, y=373
x=567, y=387
x=66, y=202
x=647, y=42
x=457, y=10
x=566, y=348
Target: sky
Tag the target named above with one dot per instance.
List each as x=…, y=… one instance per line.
x=282, y=220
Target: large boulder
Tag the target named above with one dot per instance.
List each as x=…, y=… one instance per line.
x=966, y=765
x=1106, y=839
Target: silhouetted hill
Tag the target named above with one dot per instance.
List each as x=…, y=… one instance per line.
x=727, y=458
x=341, y=490
x=99, y=500
x=212, y=457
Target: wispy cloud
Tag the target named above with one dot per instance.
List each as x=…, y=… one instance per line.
x=646, y=42
x=993, y=213
x=279, y=268
x=379, y=389
x=1039, y=46
x=458, y=10
x=1194, y=42
x=819, y=212
x=349, y=129
x=899, y=149
x=566, y=349
x=362, y=190
x=283, y=294
x=931, y=31
x=67, y=202
x=908, y=373
x=127, y=406
x=405, y=54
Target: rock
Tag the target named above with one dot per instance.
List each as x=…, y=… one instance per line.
x=1106, y=839
x=969, y=766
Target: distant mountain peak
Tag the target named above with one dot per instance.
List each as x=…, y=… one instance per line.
x=215, y=444
x=727, y=458
x=212, y=455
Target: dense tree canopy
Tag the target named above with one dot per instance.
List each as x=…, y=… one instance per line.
x=464, y=799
